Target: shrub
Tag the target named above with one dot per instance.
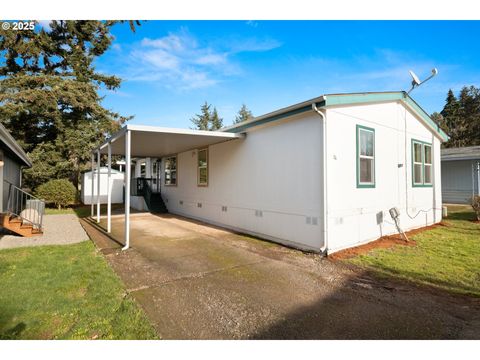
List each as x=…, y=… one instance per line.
x=60, y=192
x=476, y=205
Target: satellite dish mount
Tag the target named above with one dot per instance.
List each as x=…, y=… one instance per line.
x=416, y=81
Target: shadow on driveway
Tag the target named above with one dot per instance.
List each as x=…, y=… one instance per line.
x=200, y=282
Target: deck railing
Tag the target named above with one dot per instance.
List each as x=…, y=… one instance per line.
x=27, y=207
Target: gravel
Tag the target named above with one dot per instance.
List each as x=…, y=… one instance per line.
x=58, y=230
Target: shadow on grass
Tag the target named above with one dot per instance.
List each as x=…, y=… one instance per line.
x=462, y=215
x=14, y=332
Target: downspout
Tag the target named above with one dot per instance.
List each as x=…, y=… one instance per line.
x=324, y=248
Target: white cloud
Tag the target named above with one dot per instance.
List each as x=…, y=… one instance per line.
x=180, y=61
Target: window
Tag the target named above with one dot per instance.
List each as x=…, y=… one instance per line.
x=427, y=165
x=365, y=157
x=171, y=170
x=202, y=164
x=421, y=163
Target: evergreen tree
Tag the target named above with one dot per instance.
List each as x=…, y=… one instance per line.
x=202, y=121
x=207, y=120
x=461, y=117
x=243, y=114
x=216, y=122
x=49, y=95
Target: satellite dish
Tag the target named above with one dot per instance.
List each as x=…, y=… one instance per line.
x=416, y=81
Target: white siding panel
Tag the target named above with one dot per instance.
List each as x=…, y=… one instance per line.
x=358, y=215
x=276, y=169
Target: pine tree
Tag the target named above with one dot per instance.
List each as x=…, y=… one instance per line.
x=461, y=117
x=202, y=121
x=216, y=122
x=243, y=114
x=49, y=94
x=207, y=120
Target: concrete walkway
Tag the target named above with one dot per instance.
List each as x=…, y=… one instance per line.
x=199, y=282
x=58, y=230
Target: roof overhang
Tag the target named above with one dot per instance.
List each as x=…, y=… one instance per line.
x=152, y=141
x=463, y=153
x=331, y=100
x=13, y=146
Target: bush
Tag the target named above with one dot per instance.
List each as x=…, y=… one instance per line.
x=60, y=192
x=476, y=205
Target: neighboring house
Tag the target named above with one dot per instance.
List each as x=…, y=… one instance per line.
x=319, y=175
x=20, y=212
x=460, y=174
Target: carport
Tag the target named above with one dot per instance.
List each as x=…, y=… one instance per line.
x=145, y=141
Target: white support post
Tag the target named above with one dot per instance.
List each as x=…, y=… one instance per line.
x=93, y=186
x=109, y=189
x=127, y=188
x=138, y=168
x=148, y=168
x=98, y=186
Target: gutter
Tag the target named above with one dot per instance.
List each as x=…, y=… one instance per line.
x=324, y=248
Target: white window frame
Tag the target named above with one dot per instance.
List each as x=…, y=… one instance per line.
x=202, y=167
x=364, y=184
x=169, y=171
x=423, y=165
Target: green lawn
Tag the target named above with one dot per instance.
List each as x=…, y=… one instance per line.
x=446, y=257
x=65, y=292
x=80, y=210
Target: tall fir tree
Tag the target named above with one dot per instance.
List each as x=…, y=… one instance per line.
x=49, y=95
x=207, y=120
x=243, y=114
x=461, y=117
x=216, y=122
x=202, y=121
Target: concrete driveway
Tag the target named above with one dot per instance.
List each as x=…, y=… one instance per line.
x=199, y=282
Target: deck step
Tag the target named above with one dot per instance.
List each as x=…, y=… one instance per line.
x=17, y=226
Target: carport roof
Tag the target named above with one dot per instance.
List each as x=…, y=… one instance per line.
x=152, y=141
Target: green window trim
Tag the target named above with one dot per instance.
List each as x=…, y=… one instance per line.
x=364, y=185
x=423, y=144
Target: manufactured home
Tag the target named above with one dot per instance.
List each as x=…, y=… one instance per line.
x=460, y=174
x=321, y=175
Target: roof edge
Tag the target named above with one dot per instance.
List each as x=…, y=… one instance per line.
x=12, y=144
x=328, y=100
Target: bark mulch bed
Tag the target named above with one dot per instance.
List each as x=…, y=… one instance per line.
x=384, y=242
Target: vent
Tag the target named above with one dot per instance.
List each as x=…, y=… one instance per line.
x=199, y=205
x=259, y=213
x=181, y=202
x=308, y=220
x=224, y=208
x=314, y=221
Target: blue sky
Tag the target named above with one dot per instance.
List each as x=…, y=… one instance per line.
x=170, y=68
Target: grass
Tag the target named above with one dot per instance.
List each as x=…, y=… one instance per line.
x=65, y=292
x=446, y=257
x=81, y=211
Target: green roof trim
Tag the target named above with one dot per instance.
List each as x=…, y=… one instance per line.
x=274, y=117
x=351, y=99
x=339, y=100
